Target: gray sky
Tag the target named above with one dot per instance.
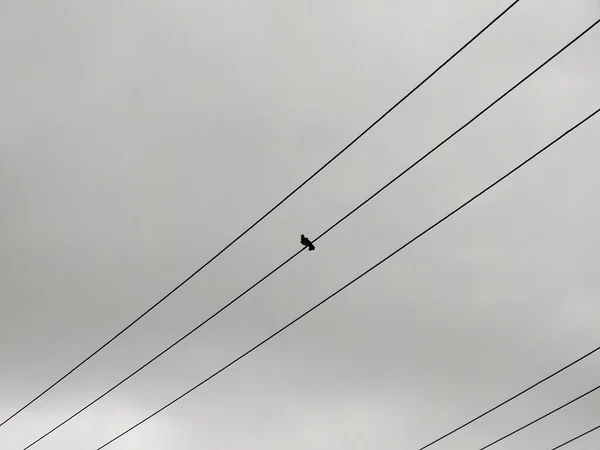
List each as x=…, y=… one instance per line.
x=138, y=138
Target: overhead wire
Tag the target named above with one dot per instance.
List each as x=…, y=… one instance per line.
x=264, y=216
x=539, y=419
x=510, y=399
x=264, y=341
x=579, y=436
x=273, y=271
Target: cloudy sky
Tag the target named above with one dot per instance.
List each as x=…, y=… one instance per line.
x=137, y=138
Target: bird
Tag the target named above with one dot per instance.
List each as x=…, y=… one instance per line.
x=307, y=243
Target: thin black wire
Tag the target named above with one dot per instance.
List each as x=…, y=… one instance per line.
x=533, y=422
x=576, y=437
x=412, y=91
x=524, y=391
x=315, y=240
x=264, y=341
x=461, y=128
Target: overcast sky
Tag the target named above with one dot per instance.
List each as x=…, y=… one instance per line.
x=137, y=138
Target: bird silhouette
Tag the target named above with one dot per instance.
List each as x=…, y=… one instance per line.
x=307, y=243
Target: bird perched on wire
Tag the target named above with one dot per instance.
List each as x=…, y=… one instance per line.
x=307, y=243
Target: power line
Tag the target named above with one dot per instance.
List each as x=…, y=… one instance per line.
x=264, y=216
x=483, y=111
x=443, y=219
x=576, y=438
x=223, y=308
x=524, y=391
x=533, y=422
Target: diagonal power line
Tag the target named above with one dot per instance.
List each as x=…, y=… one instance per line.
x=443, y=219
x=564, y=444
x=498, y=406
x=539, y=419
x=223, y=308
x=264, y=216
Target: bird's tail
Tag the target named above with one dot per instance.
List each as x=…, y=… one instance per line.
x=311, y=247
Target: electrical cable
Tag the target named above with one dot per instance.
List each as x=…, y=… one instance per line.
x=576, y=438
x=514, y=397
x=533, y=422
